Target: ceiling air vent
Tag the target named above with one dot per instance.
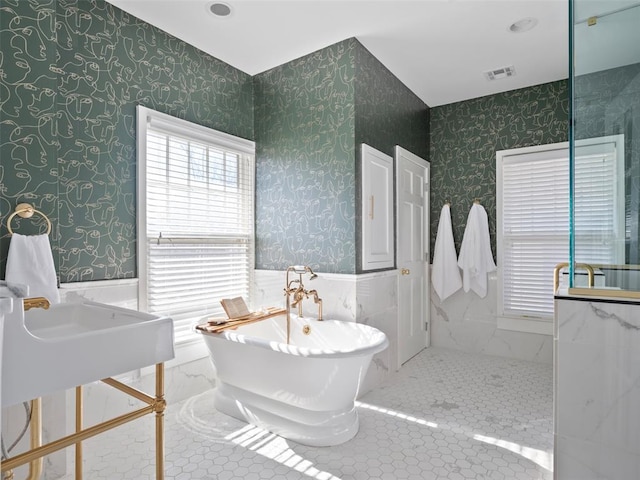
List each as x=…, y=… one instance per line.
x=502, y=72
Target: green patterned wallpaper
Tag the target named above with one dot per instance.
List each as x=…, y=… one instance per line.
x=608, y=103
x=74, y=70
x=305, y=173
x=311, y=115
x=466, y=135
x=387, y=114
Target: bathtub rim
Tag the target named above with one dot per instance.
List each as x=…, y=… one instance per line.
x=381, y=341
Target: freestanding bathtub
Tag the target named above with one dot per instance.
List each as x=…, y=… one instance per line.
x=304, y=391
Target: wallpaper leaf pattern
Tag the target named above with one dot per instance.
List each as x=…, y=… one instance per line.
x=74, y=70
x=608, y=103
x=466, y=135
x=387, y=114
x=311, y=115
x=305, y=170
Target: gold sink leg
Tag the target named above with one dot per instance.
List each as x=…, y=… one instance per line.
x=35, y=466
x=35, y=455
x=159, y=407
x=79, y=414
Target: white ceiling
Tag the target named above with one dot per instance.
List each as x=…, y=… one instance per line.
x=437, y=48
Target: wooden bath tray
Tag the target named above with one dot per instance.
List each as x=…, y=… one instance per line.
x=216, y=325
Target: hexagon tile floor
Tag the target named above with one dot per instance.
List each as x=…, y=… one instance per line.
x=445, y=415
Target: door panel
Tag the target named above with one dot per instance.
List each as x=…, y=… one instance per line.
x=412, y=189
x=377, y=209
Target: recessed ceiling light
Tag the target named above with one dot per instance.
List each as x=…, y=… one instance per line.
x=523, y=25
x=220, y=9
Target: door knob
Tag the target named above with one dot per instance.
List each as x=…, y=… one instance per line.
x=405, y=271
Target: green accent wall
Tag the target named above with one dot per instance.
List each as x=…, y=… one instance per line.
x=74, y=70
x=608, y=103
x=387, y=112
x=311, y=116
x=305, y=170
x=466, y=135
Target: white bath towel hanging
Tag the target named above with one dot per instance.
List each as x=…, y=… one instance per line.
x=30, y=262
x=12, y=290
x=476, y=259
x=445, y=274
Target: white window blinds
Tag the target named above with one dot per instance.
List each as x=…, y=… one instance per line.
x=535, y=230
x=195, y=210
x=533, y=219
x=599, y=202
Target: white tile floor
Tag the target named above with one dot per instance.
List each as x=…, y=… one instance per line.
x=445, y=415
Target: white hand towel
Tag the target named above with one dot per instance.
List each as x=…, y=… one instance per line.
x=445, y=274
x=12, y=290
x=476, y=259
x=30, y=262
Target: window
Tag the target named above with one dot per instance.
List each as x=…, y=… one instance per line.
x=195, y=219
x=533, y=218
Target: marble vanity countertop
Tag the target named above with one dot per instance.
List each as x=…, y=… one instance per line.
x=599, y=295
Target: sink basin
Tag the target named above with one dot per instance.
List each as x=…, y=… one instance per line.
x=72, y=344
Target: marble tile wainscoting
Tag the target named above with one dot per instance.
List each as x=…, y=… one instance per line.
x=597, y=389
x=466, y=322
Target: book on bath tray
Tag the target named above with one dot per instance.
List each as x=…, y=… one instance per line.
x=235, y=307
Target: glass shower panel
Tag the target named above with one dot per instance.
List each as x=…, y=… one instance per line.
x=605, y=141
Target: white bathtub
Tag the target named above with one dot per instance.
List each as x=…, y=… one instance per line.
x=304, y=391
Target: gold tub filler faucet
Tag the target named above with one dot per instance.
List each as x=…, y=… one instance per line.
x=295, y=289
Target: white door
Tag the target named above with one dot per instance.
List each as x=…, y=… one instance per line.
x=412, y=187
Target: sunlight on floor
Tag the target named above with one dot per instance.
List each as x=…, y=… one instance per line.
x=447, y=416
x=539, y=457
x=394, y=413
x=276, y=448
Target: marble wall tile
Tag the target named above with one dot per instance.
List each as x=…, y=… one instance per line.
x=337, y=291
x=377, y=306
x=597, y=389
x=593, y=322
x=121, y=293
x=469, y=323
x=599, y=393
x=576, y=459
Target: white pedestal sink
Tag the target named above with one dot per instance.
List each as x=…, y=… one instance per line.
x=72, y=344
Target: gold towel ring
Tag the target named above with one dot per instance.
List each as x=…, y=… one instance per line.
x=26, y=210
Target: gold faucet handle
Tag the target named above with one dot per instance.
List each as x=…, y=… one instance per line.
x=36, y=302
